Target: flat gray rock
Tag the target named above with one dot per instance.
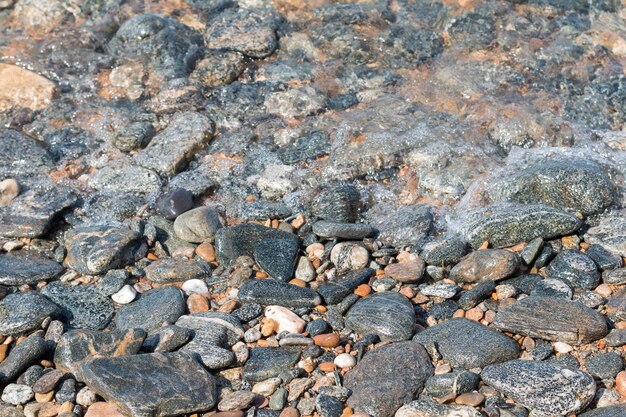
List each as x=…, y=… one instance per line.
x=265, y=363
x=27, y=268
x=575, y=268
x=235, y=241
x=167, y=270
x=152, y=309
x=274, y=292
x=153, y=384
x=126, y=179
x=403, y=225
x=554, y=319
x=27, y=353
x=542, y=386
x=389, y=315
x=82, y=306
x=426, y=408
x=610, y=233
x=277, y=257
x=22, y=155
x=467, y=344
x=23, y=312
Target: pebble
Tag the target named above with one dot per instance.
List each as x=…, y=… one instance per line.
x=551, y=287
x=24, y=88
x=241, y=240
x=451, y=384
x=328, y=406
x=429, y=408
x=304, y=270
x=206, y=251
x=152, y=309
x=352, y=231
x=86, y=397
x=349, y=256
x=605, y=365
x=486, y=264
x=327, y=340
x=443, y=252
x=609, y=233
x=273, y=292
x=473, y=399
x=531, y=251
x=620, y=383
x=610, y=411
x=236, y=400
x=480, y=292
x=334, y=291
x=575, y=268
x=125, y=295
x=443, y=290
x=266, y=387
x=24, y=312
x=345, y=360
x=17, y=394
x=103, y=409
x=277, y=257
x=194, y=285
x=168, y=270
x=174, y=203
x=197, y=225
x=286, y=319
x=389, y=315
x=406, y=272
x=604, y=259
x=270, y=362
x=47, y=381
x=76, y=313
x=338, y=203
x=561, y=347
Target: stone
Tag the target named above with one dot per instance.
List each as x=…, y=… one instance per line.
x=94, y=249
x=554, y=319
x=403, y=225
x=125, y=295
x=197, y=225
x=605, y=365
x=24, y=88
x=236, y=400
x=167, y=339
x=349, y=256
x=389, y=315
x=23, y=355
x=47, y=381
x=531, y=251
x=17, y=394
x=443, y=252
x=126, y=178
x=167, y=270
x=451, y=384
x=151, y=310
x=241, y=240
x=604, y=259
x=509, y=224
x=135, y=135
x=27, y=269
x=174, y=203
x=195, y=286
x=119, y=379
x=616, y=337
x=575, y=268
x=23, y=312
x=352, y=231
x=277, y=257
x=345, y=360
x=9, y=189
x=287, y=320
x=66, y=392
x=486, y=264
x=171, y=149
x=541, y=386
x=467, y=344
x=334, y=291
x=269, y=362
x=388, y=377
x=406, y=272
x=338, y=203
x=273, y=292
x=551, y=287
x=78, y=347
x=81, y=306
x=328, y=406
x=611, y=411
x=426, y=408
x=113, y=281
x=609, y=233
x=241, y=30
x=442, y=290
x=472, y=297
x=305, y=270
x=219, y=68
x=102, y=409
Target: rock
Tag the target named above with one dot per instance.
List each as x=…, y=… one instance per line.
x=406, y=272
x=551, y=287
x=541, y=386
x=467, y=344
x=171, y=149
x=265, y=363
x=198, y=225
x=9, y=189
x=277, y=257
x=125, y=295
x=241, y=30
x=241, y=240
x=236, y=400
x=287, y=320
x=612, y=411
x=531, y=251
x=269, y=291
x=605, y=365
x=21, y=155
x=443, y=252
x=388, y=377
x=125, y=179
x=338, y=203
x=354, y=231
x=77, y=347
x=24, y=88
x=141, y=385
x=94, y=249
x=471, y=298
x=575, y=268
x=17, y=394
x=174, y=203
x=335, y=291
x=8, y=411
x=295, y=102
x=349, y=256
x=219, y=68
x=28, y=352
x=345, y=360
x=27, y=269
x=135, y=135
x=451, y=384
x=389, y=315
x=195, y=286
x=102, y=409
x=168, y=270
x=24, y=312
x=604, y=259
x=113, y=281
x=442, y=290
x=609, y=233
x=328, y=406
x=403, y=225
x=47, y=381
x=616, y=337
x=425, y=408
x=81, y=306
x=167, y=339
x=486, y=264
x=552, y=319
x=171, y=47
x=305, y=270
x=151, y=310
x=508, y=224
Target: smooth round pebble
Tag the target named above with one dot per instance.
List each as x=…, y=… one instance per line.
x=561, y=347
x=17, y=394
x=125, y=295
x=345, y=360
x=195, y=285
x=349, y=256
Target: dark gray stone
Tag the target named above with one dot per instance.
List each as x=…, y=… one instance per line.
x=273, y=292
x=471, y=298
x=328, y=406
x=248, y=311
x=82, y=306
x=23, y=312
x=125, y=178
x=389, y=315
x=241, y=30
x=452, y=384
x=575, y=268
x=443, y=252
x=523, y=284
x=467, y=344
x=604, y=259
x=265, y=363
x=66, y=392
x=610, y=233
x=335, y=291
x=174, y=203
x=531, y=251
x=152, y=309
x=509, y=224
x=21, y=155
x=340, y=203
x=198, y=225
x=167, y=339
x=154, y=384
x=28, y=352
x=605, y=365
x=167, y=270
x=403, y=225
x=388, y=377
x=135, y=135
x=612, y=411
x=354, y=231
x=235, y=241
x=165, y=234
x=112, y=282
x=615, y=276
x=20, y=269
x=551, y=287
x=616, y=337
x=552, y=319
x=541, y=386
x=277, y=257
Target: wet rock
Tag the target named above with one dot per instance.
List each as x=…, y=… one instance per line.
x=508, y=224
x=265, y=363
x=22, y=155
x=152, y=309
x=77, y=347
x=349, y=256
x=23, y=312
x=562, y=183
x=24, y=88
x=443, y=290
x=269, y=292
x=406, y=272
x=119, y=379
x=353, y=231
x=23, y=355
x=487, y=264
x=94, y=249
x=27, y=269
x=197, y=225
x=335, y=291
x=389, y=315
x=425, y=408
x=241, y=30
x=605, y=365
x=177, y=269
x=103, y=206
x=388, y=377
x=467, y=344
x=277, y=257
x=609, y=233
x=575, y=268
x=447, y=251
x=171, y=47
x=541, y=386
x=471, y=298
x=174, y=203
x=219, y=68
x=297, y=102
x=81, y=306
x=604, y=259
x=550, y=287
x=167, y=339
x=552, y=319
x=171, y=149
x=339, y=204
x=408, y=47
x=135, y=135
x=235, y=241
x=400, y=226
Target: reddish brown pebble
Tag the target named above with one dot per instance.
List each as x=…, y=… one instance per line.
x=261, y=274
x=406, y=272
x=327, y=340
x=459, y=313
x=620, y=325
x=473, y=399
x=102, y=409
x=475, y=314
x=408, y=292
x=3, y=352
x=290, y=412
x=298, y=282
x=490, y=315
x=197, y=303
x=620, y=383
x=347, y=412
x=206, y=251
x=236, y=413
x=327, y=367
x=363, y=290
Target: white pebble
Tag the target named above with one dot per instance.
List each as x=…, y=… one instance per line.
x=125, y=295
x=86, y=397
x=561, y=347
x=287, y=320
x=267, y=387
x=345, y=360
x=195, y=286
x=17, y=394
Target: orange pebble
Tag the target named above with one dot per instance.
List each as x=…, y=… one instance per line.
x=298, y=282
x=206, y=251
x=327, y=340
x=152, y=256
x=327, y=367
x=363, y=290
x=321, y=308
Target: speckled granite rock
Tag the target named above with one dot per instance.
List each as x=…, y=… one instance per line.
x=27, y=269
x=25, y=312
x=81, y=306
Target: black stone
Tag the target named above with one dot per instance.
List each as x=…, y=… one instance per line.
x=235, y=241
x=354, y=231
x=27, y=269
x=611, y=411
x=174, y=203
x=451, y=384
x=335, y=291
x=28, y=352
x=273, y=292
x=277, y=257
x=604, y=259
x=574, y=268
x=551, y=287
x=605, y=365
x=82, y=306
x=248, y=311
x=152, y=309
x=328, y=406
x=265, y=363
x=471, y=298
x=317, y=326
x=443, y=252
x=339, y=203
